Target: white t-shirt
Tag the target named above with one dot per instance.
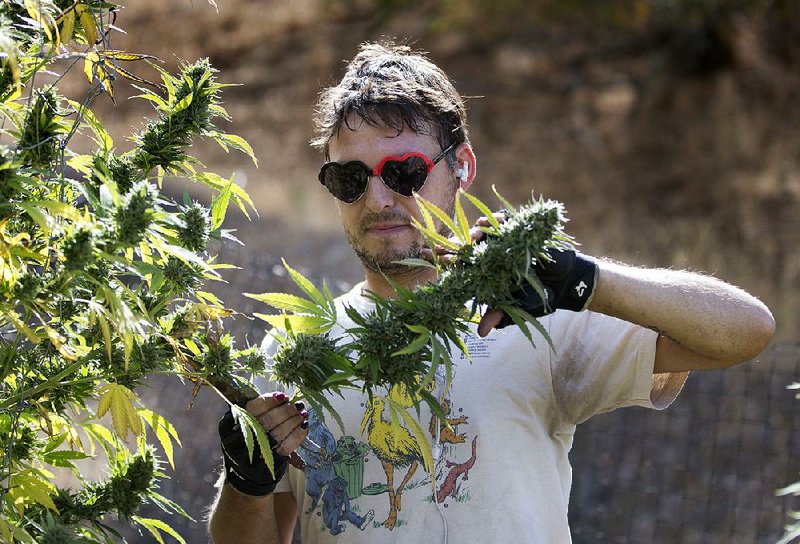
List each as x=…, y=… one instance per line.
x=503, y=474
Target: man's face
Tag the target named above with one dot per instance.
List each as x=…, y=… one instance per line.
x=378, y=225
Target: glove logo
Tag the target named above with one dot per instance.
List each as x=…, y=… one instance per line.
x=581, y=288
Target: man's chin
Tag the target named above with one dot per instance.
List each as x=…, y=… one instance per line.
x=386, y=263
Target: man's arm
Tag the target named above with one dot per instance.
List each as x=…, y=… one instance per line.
x=247, y=511
x=703, y=322
x=242, y=519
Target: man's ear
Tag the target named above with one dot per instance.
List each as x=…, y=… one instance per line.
x=465, y=171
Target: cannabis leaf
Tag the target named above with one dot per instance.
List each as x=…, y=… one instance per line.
x=119, y=399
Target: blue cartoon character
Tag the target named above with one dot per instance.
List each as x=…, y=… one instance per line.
x=319, y=464
x=336, y=508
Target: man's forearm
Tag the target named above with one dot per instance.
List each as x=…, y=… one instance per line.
x=721, y=323
x=239, y=519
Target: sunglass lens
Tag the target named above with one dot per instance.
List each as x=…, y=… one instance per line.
x=405, y=177
x=347, y=181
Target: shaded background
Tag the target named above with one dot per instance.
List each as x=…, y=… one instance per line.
x=667, y=128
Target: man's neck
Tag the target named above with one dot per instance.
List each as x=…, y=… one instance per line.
x=412, y=277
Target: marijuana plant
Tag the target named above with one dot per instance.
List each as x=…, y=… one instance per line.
x=101, y=275
x=404, y=341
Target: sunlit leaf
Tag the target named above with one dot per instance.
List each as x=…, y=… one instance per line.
x=164, y=430
x=219, y=206
x=31, y=487
x=87, y=23
x=156, y=526
x=283, y=301
x=237, y=142
x=297, y=323
x=119, y=400
x=439, y=213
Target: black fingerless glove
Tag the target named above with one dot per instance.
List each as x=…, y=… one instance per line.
x=251, y=478
x=568, y=280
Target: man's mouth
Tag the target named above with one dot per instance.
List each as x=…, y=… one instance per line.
x=387, y=228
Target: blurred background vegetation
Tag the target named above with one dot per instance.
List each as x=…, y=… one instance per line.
x=667, y=128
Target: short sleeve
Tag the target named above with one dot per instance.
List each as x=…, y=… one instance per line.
x=601, y=363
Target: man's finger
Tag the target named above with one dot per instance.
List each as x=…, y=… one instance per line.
x=489, y=321
x=443, y=257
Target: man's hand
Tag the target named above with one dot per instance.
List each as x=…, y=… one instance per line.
x=568, y=281
x=286, y=428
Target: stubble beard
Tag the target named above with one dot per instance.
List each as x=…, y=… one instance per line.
x=385, y=261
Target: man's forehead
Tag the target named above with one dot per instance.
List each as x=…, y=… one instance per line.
x=363, y=134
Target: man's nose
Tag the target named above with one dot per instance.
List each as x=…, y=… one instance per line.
x=379, y=196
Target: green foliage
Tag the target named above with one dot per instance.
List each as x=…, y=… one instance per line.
x=94, y=263
x=405, y=342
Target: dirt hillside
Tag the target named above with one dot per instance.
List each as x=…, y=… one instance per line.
x=671, y=148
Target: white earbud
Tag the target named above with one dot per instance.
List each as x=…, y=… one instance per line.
x=463, y=172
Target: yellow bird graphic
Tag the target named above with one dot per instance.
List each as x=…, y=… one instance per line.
x=393, y=444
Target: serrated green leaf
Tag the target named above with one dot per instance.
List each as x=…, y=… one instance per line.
x=305, y=284
x=417, y=344
x=484, y=209
x=416, y=430
x=240, y=417
x=102, y=137
x=156, y=526
x=434, y=238
x=422, y=263
x=440, y=214
x=119, y=400
x=219, y=206
x=462, y=224
x=164, y=430
x=251, y=428
x=297, y=323
x=237, y=142
x=287, y=302
x=184, y=103
x=28, y=486
x=505, y=203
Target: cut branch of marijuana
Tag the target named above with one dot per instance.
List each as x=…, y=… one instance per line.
x=405, y=341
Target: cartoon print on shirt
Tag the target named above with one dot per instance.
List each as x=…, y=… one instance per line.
x=448, y=434
x=319, y=464
x=450, y=487
x=336, y=508
x=394, y=446
x=447, y=431
x=323, y=482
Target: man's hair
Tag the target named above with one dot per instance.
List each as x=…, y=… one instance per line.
x=388, y=84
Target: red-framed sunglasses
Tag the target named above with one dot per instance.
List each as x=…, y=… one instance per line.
x=404, y=175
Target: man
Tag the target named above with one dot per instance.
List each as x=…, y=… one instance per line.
x=622, y=336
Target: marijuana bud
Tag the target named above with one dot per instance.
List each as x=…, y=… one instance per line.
x=78, y=250
x=135, y=214
x=38, y=141
x=193, y=234
x=182, y=277
x=216, y=357
x=54, y=532
x=131, y=481
x=190, y=112
x=306, y=361
x=122, y=171
x=8, y=173
x=28, y=286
